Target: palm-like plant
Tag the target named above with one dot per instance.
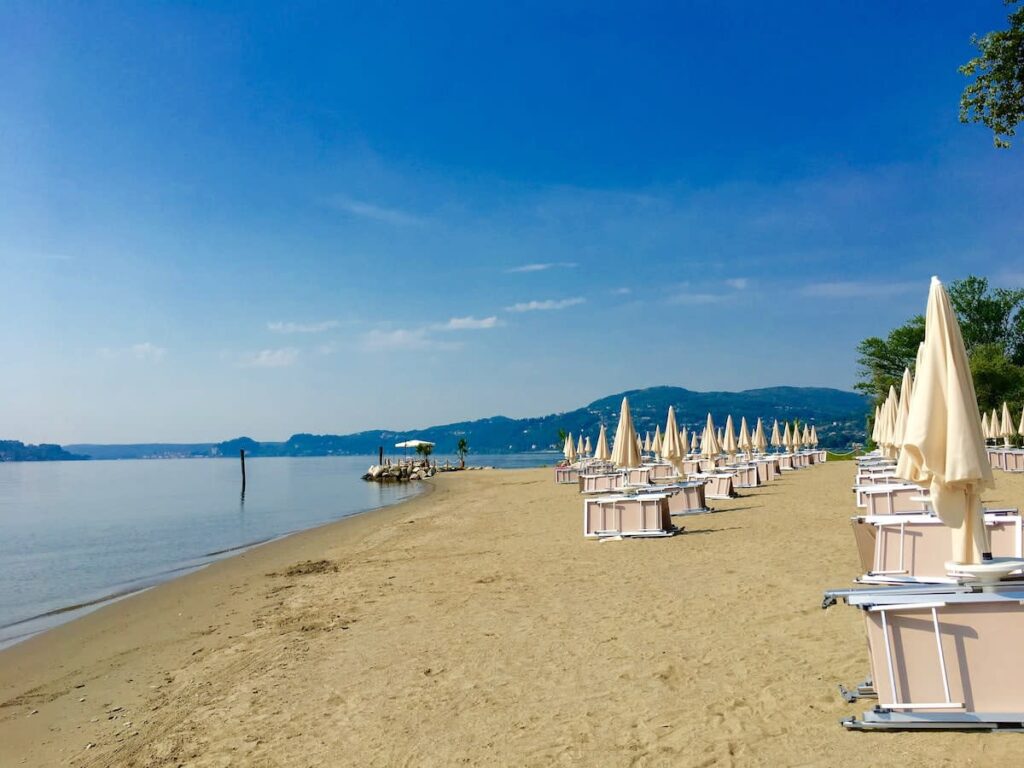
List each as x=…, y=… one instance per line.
x=462, y=448
x=424, y=450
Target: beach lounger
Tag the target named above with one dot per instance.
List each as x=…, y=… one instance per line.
x=745, y=475
x=637, y=515
x=943, y=657
x=604, y=482
x=718, y=485
x=891, y=499
x=686, y=498
x=567, y=475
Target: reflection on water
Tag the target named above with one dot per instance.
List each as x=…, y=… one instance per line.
x=73, y=534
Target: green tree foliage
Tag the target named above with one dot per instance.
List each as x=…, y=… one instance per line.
x=996, y=95
x=462, y=448
x=424, y=450
x=992, y=323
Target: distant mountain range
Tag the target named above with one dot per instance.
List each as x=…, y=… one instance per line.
x=838, y=415
x=15, y=450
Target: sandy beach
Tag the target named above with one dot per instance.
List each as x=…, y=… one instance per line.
x=475, y=626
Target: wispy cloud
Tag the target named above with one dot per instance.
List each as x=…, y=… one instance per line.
x=533, y=306
x=468, y=324
x=320, y=327
x=272, y=358
x=404, y=338
x=543, y=267
x=144, y=351
x=622, y=291
x=861, y=289
x=365, y=210
x=696, y=297
x=739, y=283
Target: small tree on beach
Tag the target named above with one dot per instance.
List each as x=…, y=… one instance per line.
x=424, y=450
x=462, y=448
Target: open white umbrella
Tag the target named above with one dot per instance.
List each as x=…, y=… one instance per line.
x=625, y=451
x=943, y=448
x=601, y=452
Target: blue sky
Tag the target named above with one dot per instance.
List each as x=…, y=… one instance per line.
x=223, y=218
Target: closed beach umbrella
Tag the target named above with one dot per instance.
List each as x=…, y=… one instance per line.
x=814, y=436
x=776, y=437
x=625, y=452
x=647, y=441
x=602, y=453
x=796, y=435
x=586, y=445
x=1006, y=425
x=993, y=424
x=906, y=388
x=656, y=441
x=729, y=444
x=694, y=442
x=943, y=449
x=759, y=440
x=671, y=448
x=709, y=445
x=876, y=426
x=579, y=446
x=1020, y=428
x=806, y=437
x=568, y=449
x=986, y=432
x=787, y=438
x=684, y=442
x=743, y=440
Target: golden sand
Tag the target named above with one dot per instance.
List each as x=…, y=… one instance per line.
x=476, y=626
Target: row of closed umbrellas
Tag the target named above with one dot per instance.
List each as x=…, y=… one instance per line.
x=675, y=444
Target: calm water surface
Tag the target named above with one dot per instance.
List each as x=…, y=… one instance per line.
x=80, y=533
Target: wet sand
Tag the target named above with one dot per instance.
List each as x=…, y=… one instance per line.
x=475, y=626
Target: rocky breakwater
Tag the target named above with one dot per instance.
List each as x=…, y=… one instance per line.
x=398, y=473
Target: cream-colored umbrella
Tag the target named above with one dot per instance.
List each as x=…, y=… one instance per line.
x=776, y=437
x=886, y=433
x=1006, y=425
x=787, y=438
x=694, y=442
x=625, y=452
x=876, y=426
x=571, y=456
x=1020, y=428
x=656, y=441
x=903, y=408
x=729, y=444
x=986, y=431
x=943, y=449
x=760, y=444
x=797, y=442
x=579, y=446
x=710, y=448
x=814, y=436
x=647, y=442
x=601, y=452
x=993, y=424
x=586, y=446
x=805, y=438
x=671, y=448
x=684, y=442
x=743, y=439
x=568, y=449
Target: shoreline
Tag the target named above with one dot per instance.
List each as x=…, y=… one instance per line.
x=474, y=625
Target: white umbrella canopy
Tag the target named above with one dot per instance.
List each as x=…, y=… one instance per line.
x=743, y=439
x=806, y=437
x=568, y=448
x=656, y=441
x=625, y=451
x=1006, y=429
x=760, y=444
x=814, y=436
x=993, y=424
x=1020, y=427
x=586, y=446
x=903, y=408
x=876, y=433
x=986, y=431
x=671, y=448
x=887, y=429
x=571, y=456
x=709, y=445
x=943, y=448
x=601, y=451
x=647, y=442
x=729, y=444
x=684, y=442
x=787, y=438
x=694, y=442
x=776, y=437
x=579, y=446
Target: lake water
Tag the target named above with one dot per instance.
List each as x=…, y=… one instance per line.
x=74, y=535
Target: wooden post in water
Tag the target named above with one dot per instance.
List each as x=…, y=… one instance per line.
x=380, y=455
x=241, y=455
